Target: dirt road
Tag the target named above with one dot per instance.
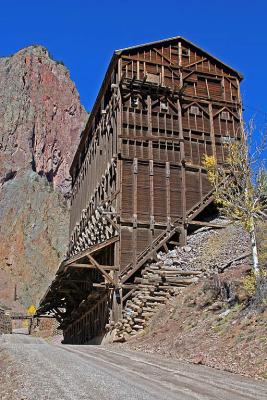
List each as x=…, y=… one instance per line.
x=43, y=371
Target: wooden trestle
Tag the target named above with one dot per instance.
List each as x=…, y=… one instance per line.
x=138, y=179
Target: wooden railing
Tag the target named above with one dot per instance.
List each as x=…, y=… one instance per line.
x=157, y=243
x=197, y=208
x=145, y=255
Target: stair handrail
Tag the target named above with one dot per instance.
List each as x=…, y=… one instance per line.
x=200, y=203
x=152, y=245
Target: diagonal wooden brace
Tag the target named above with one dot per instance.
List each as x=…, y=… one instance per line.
x=103, y=272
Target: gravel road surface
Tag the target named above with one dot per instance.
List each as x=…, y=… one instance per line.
x=61, y=372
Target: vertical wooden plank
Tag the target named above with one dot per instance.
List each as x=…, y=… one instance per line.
x=180, y=53
x=138, y=69
x=151, y=193
x=212, y=134
x=183, y=236
x=135, y=177
x=149, y=124
x=168, y=195
x=182, y=152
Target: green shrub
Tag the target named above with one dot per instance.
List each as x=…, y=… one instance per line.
x=249, y=284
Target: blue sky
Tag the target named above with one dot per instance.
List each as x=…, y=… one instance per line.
x=85, y=33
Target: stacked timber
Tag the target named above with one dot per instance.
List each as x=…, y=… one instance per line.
x=155, y=286
x=93, y=228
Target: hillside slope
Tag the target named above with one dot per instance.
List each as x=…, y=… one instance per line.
x=41, y=119
x=221, y=321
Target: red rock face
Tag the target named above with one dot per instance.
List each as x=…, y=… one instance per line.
x=41, y=120
x=41, y=117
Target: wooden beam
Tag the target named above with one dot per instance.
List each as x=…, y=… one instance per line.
x=128, y=295
x=196, y=209
x=115, y=226
x=130, y=286
x=92, y=266
x=148, y=253
x=206, y=100
x=165, y=247
x=134, y=58
x=91, y=250
x=195, y=63
x=165, y=57
x=99, y=267
x=208, y=224
x=100, y=285
x=153, y=138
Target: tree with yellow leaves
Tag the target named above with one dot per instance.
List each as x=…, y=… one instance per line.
x=240, y=184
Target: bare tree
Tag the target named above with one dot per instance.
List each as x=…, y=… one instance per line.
x=240, y=184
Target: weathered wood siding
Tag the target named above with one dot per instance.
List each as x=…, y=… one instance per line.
x=162, y=107
x=138, y=179
x=164, y=136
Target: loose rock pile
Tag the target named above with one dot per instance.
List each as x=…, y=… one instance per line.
x=206, y=252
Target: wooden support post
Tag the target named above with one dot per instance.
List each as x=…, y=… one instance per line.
x=151, y=195
x=182, y=152
x=168, y=195
x=183, y=235
x=135, y=194
x=212, y=134
x=117, y=305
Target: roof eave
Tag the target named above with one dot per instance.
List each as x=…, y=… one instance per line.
x=121, y=51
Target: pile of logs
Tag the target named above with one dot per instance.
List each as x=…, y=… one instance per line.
x=156, y=285
x=96, y=228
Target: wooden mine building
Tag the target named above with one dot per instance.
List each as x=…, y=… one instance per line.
x=138, y=182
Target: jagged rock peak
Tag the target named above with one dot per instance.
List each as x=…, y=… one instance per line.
x=36, y=49
x=41, y=116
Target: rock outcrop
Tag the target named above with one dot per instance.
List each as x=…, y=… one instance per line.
x=41, y=120
x=41, y=117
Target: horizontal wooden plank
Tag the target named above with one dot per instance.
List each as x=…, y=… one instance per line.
x=91, y=266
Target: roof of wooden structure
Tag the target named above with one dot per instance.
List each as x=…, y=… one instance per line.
x=172, y=39
x=113, y=61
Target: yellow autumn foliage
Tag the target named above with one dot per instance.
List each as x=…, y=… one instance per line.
x=209, y=162
x=31, y=309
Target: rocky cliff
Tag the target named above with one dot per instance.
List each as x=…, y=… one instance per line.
x=41, y=119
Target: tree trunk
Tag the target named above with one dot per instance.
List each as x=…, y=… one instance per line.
x=254, y=250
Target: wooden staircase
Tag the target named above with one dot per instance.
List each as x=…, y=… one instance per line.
x=200, y=206
x=150, y=252
x=157, y=282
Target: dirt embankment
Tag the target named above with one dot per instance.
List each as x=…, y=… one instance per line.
x=200, y=326
x=221, y=321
